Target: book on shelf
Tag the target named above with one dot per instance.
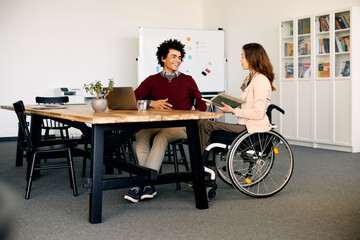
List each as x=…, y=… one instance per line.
x=320, y=69
x=323, y=69
x=289, y=49
x=300, y=70
x=305, y=26
x=300, y=29
x=344, y=69
x=306, y=70
x=347, y=19
x=326, y=23
x=345, y=22
x=326, y=70
x=342, y=44
x=304, y=47
x=337, y=24
x=321, y=45
x=324, y=45
x=289, y=70
x=340, y=23
x=323, y=24
x=226, y=98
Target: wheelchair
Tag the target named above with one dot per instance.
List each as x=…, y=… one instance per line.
x=257, y=164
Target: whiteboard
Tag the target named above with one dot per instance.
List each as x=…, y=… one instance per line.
x=204, y=59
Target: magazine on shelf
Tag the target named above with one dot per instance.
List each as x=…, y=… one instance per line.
x=226, y=98
x=326, y=70
x=346, y=70
x=306, y=70
x=289, y=70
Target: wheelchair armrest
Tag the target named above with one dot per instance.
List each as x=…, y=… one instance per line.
x=270, y=108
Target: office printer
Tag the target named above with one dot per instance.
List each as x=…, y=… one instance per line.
x=76, y=95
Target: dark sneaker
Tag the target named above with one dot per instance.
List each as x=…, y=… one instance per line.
x=134, y=194
x=148, y=192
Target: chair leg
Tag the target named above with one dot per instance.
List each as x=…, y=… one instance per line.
x=84, y=161
x=83, y=167
x=28, y=156
x=47, y=133
x=176, y=165
x=28, y=186
x=61, y=134
x=183, y=157
x=46, y=137
x=133, y=152
x=72, y=173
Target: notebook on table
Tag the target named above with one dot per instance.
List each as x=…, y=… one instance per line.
x=122, y=98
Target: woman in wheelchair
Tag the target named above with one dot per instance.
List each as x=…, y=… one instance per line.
x=249, y=162
x=256, y=92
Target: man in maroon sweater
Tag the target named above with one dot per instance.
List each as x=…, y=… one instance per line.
x=168, y=89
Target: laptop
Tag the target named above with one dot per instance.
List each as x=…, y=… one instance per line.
x=122, y=98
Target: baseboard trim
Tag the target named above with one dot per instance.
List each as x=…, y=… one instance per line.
x=8, y=139
x=326, y=146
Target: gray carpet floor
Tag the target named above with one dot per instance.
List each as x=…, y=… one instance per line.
x=321, y=201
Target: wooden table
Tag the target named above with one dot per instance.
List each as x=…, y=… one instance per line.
x=129, y=121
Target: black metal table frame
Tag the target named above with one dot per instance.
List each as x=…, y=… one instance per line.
x=96, y=183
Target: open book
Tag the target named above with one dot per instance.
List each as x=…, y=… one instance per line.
x=223, y=97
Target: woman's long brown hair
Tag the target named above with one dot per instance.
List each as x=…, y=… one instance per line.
x=259, y=61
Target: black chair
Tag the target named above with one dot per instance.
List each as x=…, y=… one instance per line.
x=172, y=155
x=35, y=153
x=124, y=151
x=49, y=124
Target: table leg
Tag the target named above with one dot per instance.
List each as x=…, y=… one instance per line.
x=197, y=165
x=97, y=155
x=19, y=151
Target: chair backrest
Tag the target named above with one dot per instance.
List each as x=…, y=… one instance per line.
x=19, y=110
x=49, y=123
x=53, y=100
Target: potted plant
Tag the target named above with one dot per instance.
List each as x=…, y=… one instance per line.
x=96, y=89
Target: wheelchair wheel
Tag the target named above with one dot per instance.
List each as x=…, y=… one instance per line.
x=260, y=164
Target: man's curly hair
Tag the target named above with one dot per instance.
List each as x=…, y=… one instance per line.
x=163, y=50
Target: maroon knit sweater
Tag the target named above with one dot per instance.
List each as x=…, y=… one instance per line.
x=179, y=91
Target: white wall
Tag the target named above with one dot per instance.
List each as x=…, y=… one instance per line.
x=47, y=44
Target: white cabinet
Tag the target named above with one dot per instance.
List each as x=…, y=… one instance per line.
x=320, y=80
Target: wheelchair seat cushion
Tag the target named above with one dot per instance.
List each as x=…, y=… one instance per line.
x=220, y=136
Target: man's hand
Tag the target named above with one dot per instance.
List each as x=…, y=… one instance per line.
x=225, y=109
x=160, y=104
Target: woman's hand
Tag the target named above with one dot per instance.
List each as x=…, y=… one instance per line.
x=226, y=108
x=160, y=104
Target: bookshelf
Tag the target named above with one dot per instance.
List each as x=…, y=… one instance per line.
x=319, y=83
